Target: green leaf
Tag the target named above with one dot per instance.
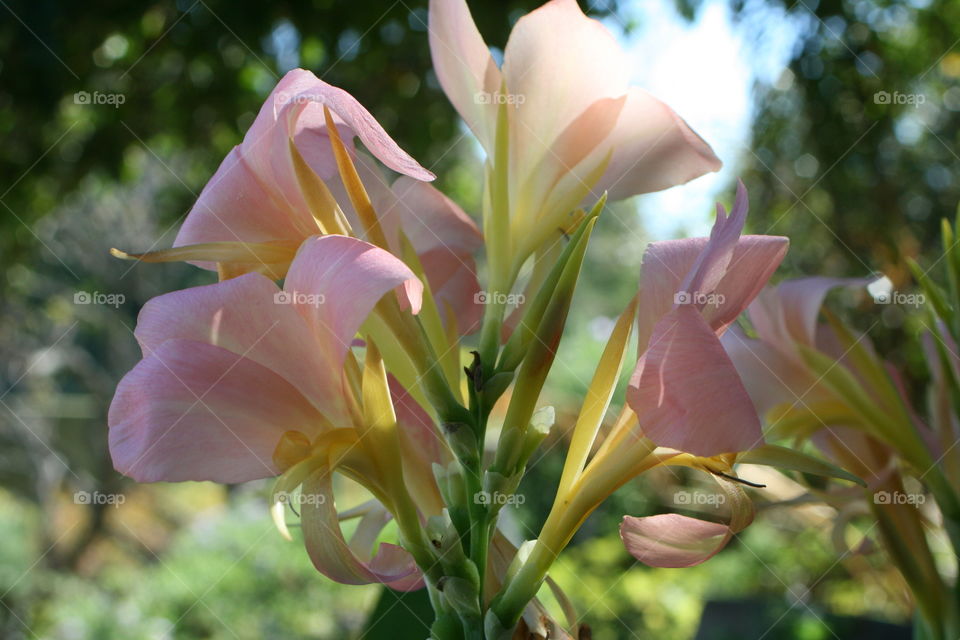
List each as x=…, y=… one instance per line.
x=772, y=455
x=933, y=292
x=523, y=335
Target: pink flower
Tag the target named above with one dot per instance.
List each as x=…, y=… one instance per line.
x=243, y=380
x=685, y=391
x=576, y=126
x=262, y=202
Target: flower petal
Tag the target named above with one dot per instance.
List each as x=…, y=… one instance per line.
x=249, y=316
x=671, y=540
x=333, y=556
x=335, y=282
x=194, y=411
x=453, y=281
x=445, y=239
x=754, y=260
x=675, y=541
x=789, y=313
x=711, y=265
x=557, y=63
x=463, y=64
x=686, y=393
x=666, y=264
x=421, y=445
x=430, y=219
x=769, y=376
x=235, y=205
x=296, y=107
x=654, y=149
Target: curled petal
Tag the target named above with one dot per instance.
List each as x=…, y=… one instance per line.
x=789, y=312
x=711, y=265
x=654, y=149
x=296, y=107
x=194, y=411
x=673, y=541
x=686, y=392
x=334, y=557
x=665, y=264
x=335, y=281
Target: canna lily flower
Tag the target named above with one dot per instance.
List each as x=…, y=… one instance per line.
x=559, y=122
x=275, y=189
x=242, y=380
x=685, y=391
x=816, y=380
x=685, y=405
x=803, y=375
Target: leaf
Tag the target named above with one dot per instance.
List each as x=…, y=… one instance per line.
x=572, y=256
x=772, y=455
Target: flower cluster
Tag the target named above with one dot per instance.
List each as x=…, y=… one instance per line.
x=353, y=367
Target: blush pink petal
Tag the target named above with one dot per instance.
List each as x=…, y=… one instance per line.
x=769, y=376
x=560, y=176
x=789, y=313
x=430, y=219
x=255, y=195
x=464, y=66
x=557, y=63
x=686, y=392
x=672, y=540
x=675, y=541
x=754, y=260
x=653, y=149
x=295, y=109
x=453, y=280
x=336, y=281
x=444, y=237
x=244, y=315
x=235, y=205
x=666, y=264
x=194, y=411
x=711, y=265
x=332, y=556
